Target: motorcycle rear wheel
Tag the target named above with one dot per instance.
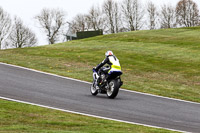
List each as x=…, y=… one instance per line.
x=113, y=89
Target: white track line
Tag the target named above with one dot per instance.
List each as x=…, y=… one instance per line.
x=91, y=83
x=84, y=114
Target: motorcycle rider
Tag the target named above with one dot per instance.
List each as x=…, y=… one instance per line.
x=113, y=68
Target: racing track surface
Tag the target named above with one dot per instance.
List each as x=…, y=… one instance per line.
x=53, y=91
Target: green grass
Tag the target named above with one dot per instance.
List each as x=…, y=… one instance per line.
x=23, y=118
x=162, y=62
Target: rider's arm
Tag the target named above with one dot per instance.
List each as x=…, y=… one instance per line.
x=106, y=60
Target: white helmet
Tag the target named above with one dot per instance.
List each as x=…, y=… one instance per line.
x=108, y=53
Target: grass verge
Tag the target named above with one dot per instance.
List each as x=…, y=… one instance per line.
x=23, y=118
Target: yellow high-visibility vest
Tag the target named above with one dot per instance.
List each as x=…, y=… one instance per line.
x=115, y=64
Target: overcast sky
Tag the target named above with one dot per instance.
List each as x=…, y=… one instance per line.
x=27, y=9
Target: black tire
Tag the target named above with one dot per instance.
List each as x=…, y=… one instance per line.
x=93, y=90
x=113, y=89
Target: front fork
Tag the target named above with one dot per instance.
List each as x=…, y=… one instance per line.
x=95, y=76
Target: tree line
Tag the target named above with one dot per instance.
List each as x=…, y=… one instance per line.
x=130, y=15
x=111, y=17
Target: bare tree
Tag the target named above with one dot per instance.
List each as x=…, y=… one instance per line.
x=152, y=15
x=80, y=22
x=91, y=21
x=133, y=14
x=5, y=26
x=21, y=36
x=108, y=10
x=187, y=13
x=74, y=27
x=95, y=18
x=117, y=17
x=112, y=15
x=52, y=21
x=88, y=24
x=168, y=16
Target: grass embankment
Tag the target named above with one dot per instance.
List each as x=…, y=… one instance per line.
x=161, y=62
x=20, y=118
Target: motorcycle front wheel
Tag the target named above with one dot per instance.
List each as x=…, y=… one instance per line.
x=93, y=89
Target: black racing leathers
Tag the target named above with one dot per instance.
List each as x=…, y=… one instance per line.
x=105, y=61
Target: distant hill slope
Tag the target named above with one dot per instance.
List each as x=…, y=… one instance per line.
x=162, y=62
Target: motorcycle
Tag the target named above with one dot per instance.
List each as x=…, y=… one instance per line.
x=106, y=84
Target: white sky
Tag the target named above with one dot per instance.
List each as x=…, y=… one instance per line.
x=27, y=9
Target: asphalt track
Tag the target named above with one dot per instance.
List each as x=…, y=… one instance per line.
x=49, y=90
